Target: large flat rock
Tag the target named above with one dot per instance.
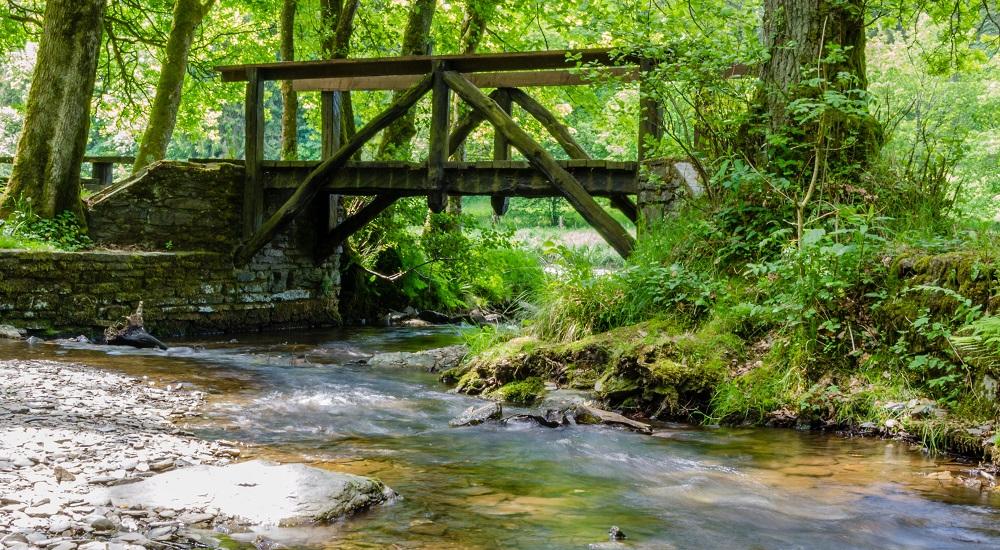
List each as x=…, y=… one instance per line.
x=260, y=493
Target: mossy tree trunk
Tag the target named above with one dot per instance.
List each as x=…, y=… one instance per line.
x=187, y=16
x=337, y=22
x=816, y=51
x=396, y=140
x=289, y=99
x=46, y=172
x=478, y=14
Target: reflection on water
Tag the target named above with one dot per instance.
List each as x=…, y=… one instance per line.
x=303, y=397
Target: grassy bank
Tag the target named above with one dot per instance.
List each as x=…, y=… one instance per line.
x=853, y=328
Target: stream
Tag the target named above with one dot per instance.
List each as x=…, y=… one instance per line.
x=301, y=397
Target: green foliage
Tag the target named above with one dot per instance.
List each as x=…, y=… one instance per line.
x=24, y=229
x=978, y=342
x=811, y=285
x=925, y=347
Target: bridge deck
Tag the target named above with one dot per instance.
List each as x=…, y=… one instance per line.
x=498, y=178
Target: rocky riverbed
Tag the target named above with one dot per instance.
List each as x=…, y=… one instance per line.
x=67, y=432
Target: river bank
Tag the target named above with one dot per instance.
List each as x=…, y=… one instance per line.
x=308, y=399
x=69, y=431
x=660, y=370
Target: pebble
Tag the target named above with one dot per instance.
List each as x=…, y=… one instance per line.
x=68, y=430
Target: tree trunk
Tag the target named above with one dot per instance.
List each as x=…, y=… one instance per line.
x=337, y=21
x=810, y=42
x=46, y=172
x=289, y=99
x=396, y=140
x=478, y=14
x=188, y=14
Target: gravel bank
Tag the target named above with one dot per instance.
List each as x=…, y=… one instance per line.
x=69, y=431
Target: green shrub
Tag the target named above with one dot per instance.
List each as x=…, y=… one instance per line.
x=24, y=229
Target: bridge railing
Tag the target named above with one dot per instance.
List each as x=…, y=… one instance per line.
x=102, y=169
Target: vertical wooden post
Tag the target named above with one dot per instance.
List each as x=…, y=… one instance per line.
x=438, y=150
x=103, y=172
x=650, y=118
x=253, y=190
x=501, y=151
x=331, y=128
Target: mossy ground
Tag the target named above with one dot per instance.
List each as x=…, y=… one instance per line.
x=652, y=368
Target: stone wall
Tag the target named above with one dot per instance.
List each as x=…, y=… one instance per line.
x=185, y=220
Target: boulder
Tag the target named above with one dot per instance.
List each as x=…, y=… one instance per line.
x=11, y=332
x=477, y=415
x=260, y=493
x=432, y=360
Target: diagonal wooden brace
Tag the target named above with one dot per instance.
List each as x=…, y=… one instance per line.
x=319, y=177
x=561, y=133
x=539, y=158
x=352, y=225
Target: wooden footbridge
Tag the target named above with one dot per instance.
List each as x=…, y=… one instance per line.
x=316, y=185
x=579, y=179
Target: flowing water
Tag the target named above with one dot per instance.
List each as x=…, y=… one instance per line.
x=301, y=397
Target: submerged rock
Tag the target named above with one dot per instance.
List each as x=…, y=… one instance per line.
x=258, y=492
x=432, y=360
x=551, y=419
x=586, y=414
x=477, y=415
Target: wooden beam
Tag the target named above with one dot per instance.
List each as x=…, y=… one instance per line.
x=539, y=158
x=321, y=175
x=253, y=188
x=331, y=123
x=89, y=158
x=501, y=152
x=423, y=64
x=465, y=126
x=460, y=178
x=352, y=225
x=557, y=129
x=565, y=139
x=512, y=79
x=438, y=151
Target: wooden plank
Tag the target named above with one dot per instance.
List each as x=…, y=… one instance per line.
x=253, y=188
x=501, y=152
x=438, y=152
x=352, y=225
x=565, y=139
x=512, y=79
x=316, y=179
x=539, y=158
x=460, y=179
x=89, y=158
x=423, y=64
